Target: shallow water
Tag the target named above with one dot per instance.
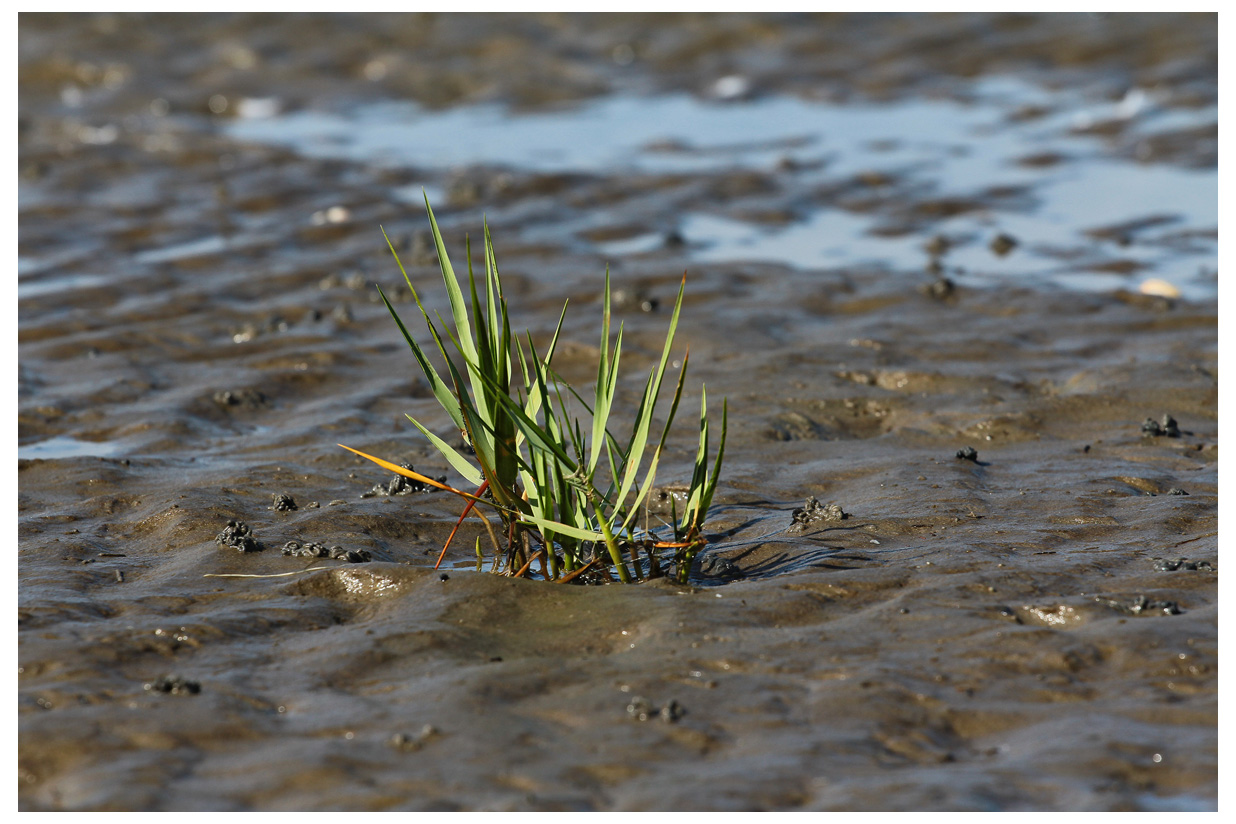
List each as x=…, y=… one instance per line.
x=942, y=149
x=198, y=330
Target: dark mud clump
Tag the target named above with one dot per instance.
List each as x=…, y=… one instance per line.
x=641, y=709
x=720, y=568
x=312, y=549
x=401, y=485
x=243, y=398
x=813, y=512
x=1165, y=427
x=967, y=453
x=1141, y=605
x=239, y=536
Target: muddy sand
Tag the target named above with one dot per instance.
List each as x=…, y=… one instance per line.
x=964, y=551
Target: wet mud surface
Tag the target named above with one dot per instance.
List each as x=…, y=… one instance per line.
x=964, y=554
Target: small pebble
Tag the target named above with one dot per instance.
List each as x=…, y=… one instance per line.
x=173, y=685
x=640, y=709
x=937, y=246
x=408, y=743
x=939, y=289
x=1171, y=565
x=672, y=711
x=250, y=398
x=1002, y=244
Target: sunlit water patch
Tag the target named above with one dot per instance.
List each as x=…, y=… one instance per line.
x=63, y=446
x=210, y=245
x=57, y=284
x=936, y=149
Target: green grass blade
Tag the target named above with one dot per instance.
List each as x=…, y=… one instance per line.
x=699, y=477
x=600, y=408
x=565, y=529
x=459, y=309
x=533, y=432
x=605, y=403
x=711, y=486
x=461, y=465
x=533, y=405
x=639, y=439
x=499, y=320
x=436, y=385
x=399, y=263
x=656, y=455
x=483, y=364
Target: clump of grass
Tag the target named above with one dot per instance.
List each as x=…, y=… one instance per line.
x=567, y=494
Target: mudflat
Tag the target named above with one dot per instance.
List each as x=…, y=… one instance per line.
x=964, y=550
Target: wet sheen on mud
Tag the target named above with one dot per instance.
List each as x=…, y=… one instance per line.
x=958, y=285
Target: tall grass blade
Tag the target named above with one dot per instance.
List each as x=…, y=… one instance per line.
x=711, y=486
x=457, y=461
x=459, y=309
x=656, y=456
x=446, y=399
x=639, y=439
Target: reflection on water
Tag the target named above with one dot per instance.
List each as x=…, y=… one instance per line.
x=1181, y=803
x=63, y=446
x=415, y=194
x=211, y=245
x=936, y=149
x=62, y=283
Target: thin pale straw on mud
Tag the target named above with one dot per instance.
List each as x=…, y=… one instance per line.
x=271, y=575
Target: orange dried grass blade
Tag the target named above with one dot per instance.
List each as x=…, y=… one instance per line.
x=480, y=491
x=523, y=569
x=416, y=476
x=571, y=576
